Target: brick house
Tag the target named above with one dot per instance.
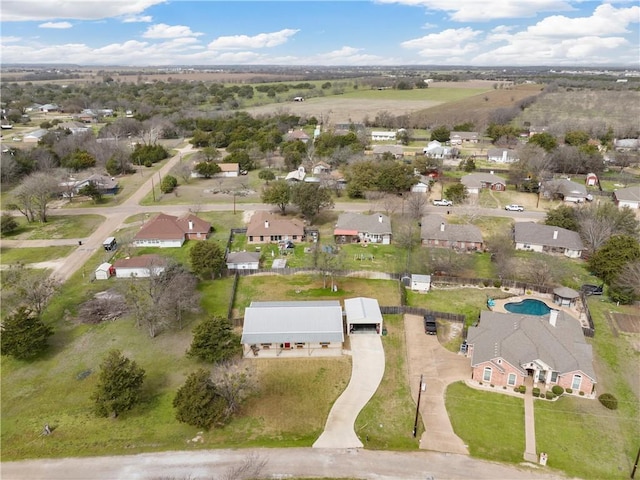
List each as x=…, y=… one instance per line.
x=436, y=232
x=477, y=181
x=267, y=227
x=506, y=349
x=168, y=231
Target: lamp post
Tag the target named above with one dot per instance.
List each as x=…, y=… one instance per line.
x=421, y=388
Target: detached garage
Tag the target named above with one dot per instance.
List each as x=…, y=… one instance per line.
x=363, y=315
x=274, y=329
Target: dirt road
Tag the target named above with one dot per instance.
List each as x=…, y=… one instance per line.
x=280, y=463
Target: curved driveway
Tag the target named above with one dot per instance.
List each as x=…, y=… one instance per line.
x=366, y=374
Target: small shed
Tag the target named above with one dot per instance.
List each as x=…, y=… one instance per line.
x=104, y=271
x=420, y=283
x=243, y=261
x=565, y=296
x=591, y=180
x=363, y=315
x=420, y=187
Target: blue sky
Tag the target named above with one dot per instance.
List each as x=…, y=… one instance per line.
x=382, y=32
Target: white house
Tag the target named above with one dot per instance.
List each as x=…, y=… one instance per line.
x=363, y=315
x=35, y=136
x=502, y=155
x=142, y=266
x=228, y=170
x=627, y=197
x=536, y=237
x=243, y=261
x=378, y=136
x=104, y=271
x=286, y=329
x=360, y=228
x=420, y=283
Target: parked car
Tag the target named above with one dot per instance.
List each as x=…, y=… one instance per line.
x=430, y=326
x=443, y=203
x=592, y=289
x=514, y=208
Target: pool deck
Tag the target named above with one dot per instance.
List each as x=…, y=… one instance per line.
x=576, y=311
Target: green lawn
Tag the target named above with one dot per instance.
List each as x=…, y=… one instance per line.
x=491, y=424
x=72, y=226
x=25, y=255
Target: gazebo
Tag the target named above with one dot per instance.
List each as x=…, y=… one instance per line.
x=565, y=296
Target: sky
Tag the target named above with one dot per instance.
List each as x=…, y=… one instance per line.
x=566, y=33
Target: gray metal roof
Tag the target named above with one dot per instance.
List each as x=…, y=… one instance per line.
x=537, y=234
x=520, y=339
x=292, y=322
x=376, y=223
x=566, y=187
x=415, y=277
x=362, y=310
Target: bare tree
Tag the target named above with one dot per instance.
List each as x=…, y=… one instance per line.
x=389, y=204
x=629, y=278
x=250, y=468
x=599, y=222
x=416, y=203
x=537, y=271
x=30, y=288
x=183, y=171
x=33, y=197
x=502, y=252
x=234, y=381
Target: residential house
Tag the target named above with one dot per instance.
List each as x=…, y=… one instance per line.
x=243, y=261
x=143, y=266
x=420, y=283
x=363, y=315
x=627, y=197
x=74, y=127
x=506, y=349
x=566, y=190
x=321, y=168
x=626, y=144
x=293, y=135
x=436, y=232
x=228, y=170
x=297, y=175
x=477, y=181
x=167, y=231
x=502, y=155
x=434, y=149
x=361, y=228
x=49, y=107
x=378, y=136
x=106, y=185
x=536, y=237
x=537, y=129
x=459, y=138
x=395, y=150
x=285, y=329
x=267, y=227
x=421, y=187
x=35, y=136
x=86, y=116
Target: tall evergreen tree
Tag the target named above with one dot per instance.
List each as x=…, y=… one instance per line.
x=118, y=386
x=24, y=334
x=214, y=341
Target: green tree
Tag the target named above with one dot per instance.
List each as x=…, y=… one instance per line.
x=576, y=138
x=611, y=258
x=214, y=341
x=198, y=402
x=8, y=223
x=242, y=158
x=266, y=175
x=310, y=198
x=441, y=134
x=545, y=140
x=200, y=139
x=78, y=160
x=168, y=184
x=457, y=193
x=210, y=153
x=207, y=169
x=395, y=177
x=207, y=259
x=24, y=335
x=277, y=193
x=563, y=216
x=91, y=190
x=119, y=385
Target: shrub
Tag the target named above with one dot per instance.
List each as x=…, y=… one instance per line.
x=536, y=392
x=550, y=395
x=569, y=390
x=557, y=390
x=504, y=387
x=497, y=283
x=581, y=393
x=168, y=184
x=516, y=389
x=492, y=385
x=608, y=401
x=522, y=388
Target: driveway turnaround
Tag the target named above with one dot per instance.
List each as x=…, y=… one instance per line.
x=366, y=373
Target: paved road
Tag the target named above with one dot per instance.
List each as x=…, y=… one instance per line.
x=280, y=463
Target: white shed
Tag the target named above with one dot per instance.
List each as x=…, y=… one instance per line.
x=420, y=187
x=420, y=283
x=104, y=271
x=363, y=315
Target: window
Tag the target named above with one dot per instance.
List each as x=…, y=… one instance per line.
x=486, y=376
x=554, y=377
x=266, y=346
x=577, y=380
x=299, y=345
x=511, y=380
x=325, y=344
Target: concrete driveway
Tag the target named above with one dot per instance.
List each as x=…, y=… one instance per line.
x=366, y=374
x=440, y=368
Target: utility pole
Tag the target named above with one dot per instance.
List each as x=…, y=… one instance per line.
x=153, y=189
x=635, y=465
x=421, y=387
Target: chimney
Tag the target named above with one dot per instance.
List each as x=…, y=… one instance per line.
x=190, y=225
x=553, y=317
x=266, y=224
x=555, y=234
x=442, y=227
x=380, y=218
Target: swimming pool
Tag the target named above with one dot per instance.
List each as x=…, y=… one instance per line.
x=529, y=306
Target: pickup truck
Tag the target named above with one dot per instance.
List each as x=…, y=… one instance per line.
x=430, y=327
x=442, y=203
x=514, y=208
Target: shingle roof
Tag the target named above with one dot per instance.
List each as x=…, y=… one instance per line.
x=243, y=257
x=566, y=292
x=168, y=227
x=477, y=179
x=377, y=223
x=141, y=261
x=537, y=234
x=630, y=194
x=393, y=149
x=520, y=339
x=566, y=187
x=278, y=322
x=432, y=229
x=277, y=225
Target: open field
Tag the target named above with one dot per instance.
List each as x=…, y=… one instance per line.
x=57, y=227
x=26, y=255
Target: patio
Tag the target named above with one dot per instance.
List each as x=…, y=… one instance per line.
x=576, y=310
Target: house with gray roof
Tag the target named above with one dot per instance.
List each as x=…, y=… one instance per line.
x=506, y=349
x=536, y=237
x=436, y=232
x=285, y=329
x=458, y=138
x=35, y=136
x=566, y=190
x=626, y=144
x=395, y=150
x=627, y=197
x=477, y=181
x=361, y=228
x=502, y=155
x=268, y=227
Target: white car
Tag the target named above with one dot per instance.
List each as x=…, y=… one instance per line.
x=514, y=208
x=442, y=203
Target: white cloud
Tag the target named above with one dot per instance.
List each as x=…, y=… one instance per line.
x=27, y=10
x=162, y=30
x=345, y=56
x=4, y=40
x=138, y=19
x=483, y=10
x=449, y=46
x=262, y=40
x=61, y=25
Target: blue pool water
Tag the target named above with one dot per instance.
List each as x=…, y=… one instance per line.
x=529, y=306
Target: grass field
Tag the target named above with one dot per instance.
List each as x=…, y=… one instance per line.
x=62, y=226
x=25, y=255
